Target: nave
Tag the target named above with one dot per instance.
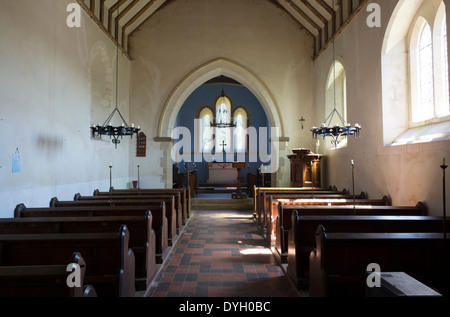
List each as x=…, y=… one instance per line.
x=221, y=254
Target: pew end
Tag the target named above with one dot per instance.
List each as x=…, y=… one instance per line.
x=53, y=202
x=89, y=291
x=18, y=210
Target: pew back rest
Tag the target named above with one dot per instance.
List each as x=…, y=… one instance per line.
x=339, y=261
x=107, y=254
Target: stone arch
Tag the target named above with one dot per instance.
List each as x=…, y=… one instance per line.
x=211, y=70
x=195, y=79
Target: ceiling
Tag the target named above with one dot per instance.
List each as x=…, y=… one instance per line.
x=323, y=19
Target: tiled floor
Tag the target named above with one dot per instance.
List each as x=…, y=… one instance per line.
x=221, y=254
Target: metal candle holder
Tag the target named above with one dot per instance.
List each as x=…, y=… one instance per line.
x=444, y=167
x=110, y=183
x=353, y=185
x=312, y=180
x=138, y=185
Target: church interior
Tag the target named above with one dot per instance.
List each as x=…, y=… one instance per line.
x=261, y=148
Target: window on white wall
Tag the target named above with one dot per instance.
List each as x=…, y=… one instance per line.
x=425, y=105
x=336, y=95
x=445, y=109
x=415, y=88
x=429, y=67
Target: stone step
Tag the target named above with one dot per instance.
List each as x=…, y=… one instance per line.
x=221, y=204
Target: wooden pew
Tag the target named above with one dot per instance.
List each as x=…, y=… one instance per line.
x=185, y=196
x=147, y=203
x=258, y=191
x=283, y=218
x=142, y=236
x=110, y=262
x=280, y=222
x=266, y=197
x=269, y=212
x=44, y=280
x=262, y=194
x=159, y=220
x=339, y=261
x=302, y=240
x=177, y=196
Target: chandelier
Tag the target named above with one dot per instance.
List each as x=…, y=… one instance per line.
x=336, y=131
x=222, y=123
x=115, y=133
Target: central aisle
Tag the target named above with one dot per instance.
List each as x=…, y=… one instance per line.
x=221, y=254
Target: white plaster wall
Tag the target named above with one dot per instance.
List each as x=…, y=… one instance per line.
x=408, y=173
x=46, y=107
x=256, y=35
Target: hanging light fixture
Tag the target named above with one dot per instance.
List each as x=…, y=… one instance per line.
x=116, y=133
x=222, y=124
x=336, y=132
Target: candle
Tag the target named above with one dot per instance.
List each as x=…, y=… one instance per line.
x=443, y=161
x=353, y=163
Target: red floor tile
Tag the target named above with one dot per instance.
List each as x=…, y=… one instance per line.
x=207, y=261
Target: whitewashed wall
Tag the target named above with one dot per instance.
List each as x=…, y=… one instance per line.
x=408, y=173
x=49, y=77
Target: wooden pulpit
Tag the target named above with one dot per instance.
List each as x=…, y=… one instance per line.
x=305, y=168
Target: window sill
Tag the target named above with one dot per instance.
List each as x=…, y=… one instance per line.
x=426, y=133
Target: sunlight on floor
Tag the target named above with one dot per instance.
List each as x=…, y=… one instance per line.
x=255, y=251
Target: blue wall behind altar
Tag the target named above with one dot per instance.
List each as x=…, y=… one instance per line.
x=206, y=95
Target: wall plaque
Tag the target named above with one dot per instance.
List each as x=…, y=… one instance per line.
x=141, y=145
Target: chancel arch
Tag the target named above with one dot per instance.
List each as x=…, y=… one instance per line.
x=216, y=68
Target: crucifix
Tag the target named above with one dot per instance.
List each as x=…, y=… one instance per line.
x=302, y=120
x=223, y=145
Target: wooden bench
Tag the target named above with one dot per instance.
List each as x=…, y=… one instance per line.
x=147, y=203
x=178, y=205
x=285, y=211
x=44, y=280
x=263, y=194
x=159, y=220
x=269, y=216
x=142, y=236
x=258, y=191
x=280, y=220
x=339, y=261
x=301, y=240
x=110, y=265
x=185, y=198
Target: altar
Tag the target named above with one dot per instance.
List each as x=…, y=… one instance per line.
x=222, y=173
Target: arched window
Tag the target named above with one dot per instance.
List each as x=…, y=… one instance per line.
x=336, y=96
x=223, y=116
x=415, y=74
x=221, y=124
x=425, y=105
x=206, y=116
x=429, y=67
x=444, y=110
x=240, y=122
